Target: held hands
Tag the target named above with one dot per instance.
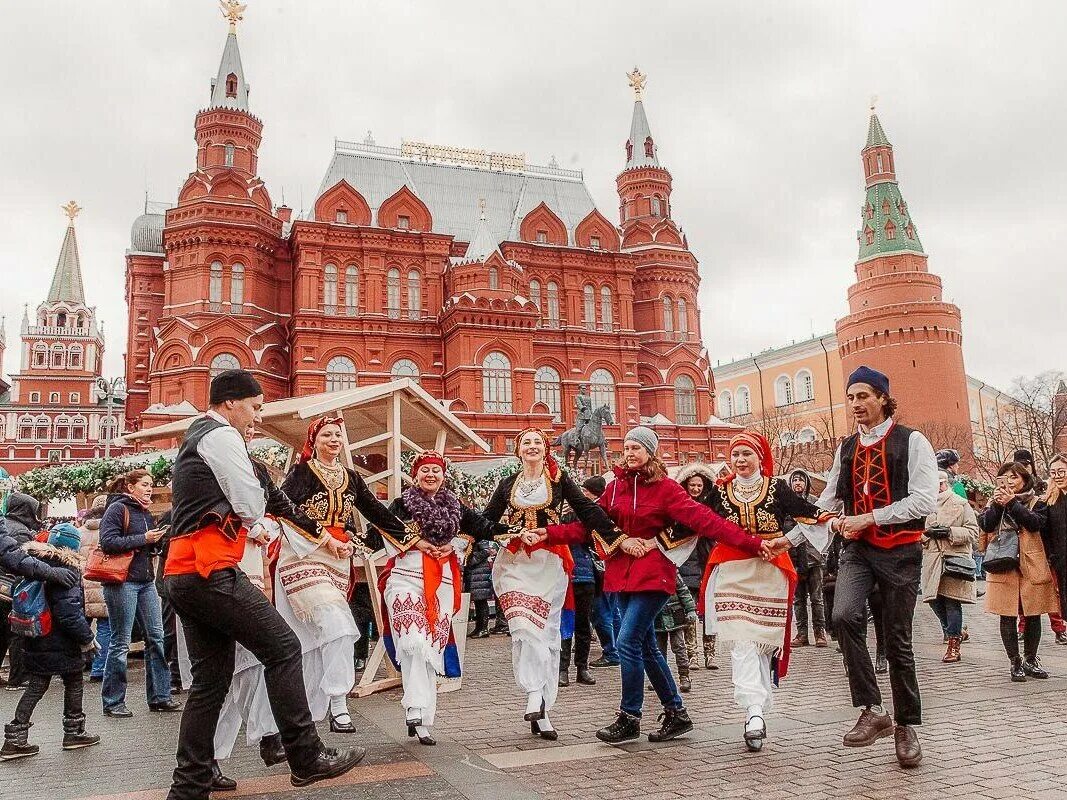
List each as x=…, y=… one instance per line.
x=638, y=548
x=533, y=536
x=259, y=535
x=439, y=553
x=338, y=549
x=772, y=548
x=851, y=527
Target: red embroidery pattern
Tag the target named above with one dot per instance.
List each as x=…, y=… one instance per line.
x=301, y=576
x=527, y=606
x=870, y=478
x=727, y=606
x=409, y=612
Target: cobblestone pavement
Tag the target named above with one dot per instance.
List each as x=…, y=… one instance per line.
x=984, y=737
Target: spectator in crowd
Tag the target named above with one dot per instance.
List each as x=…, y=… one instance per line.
x=584, y=588
x=677, y=615
x=128, y=527
x=1055, y=529
x=808, y=563
x=95, y=606
x=58, y=652
x=1029, y=585
x=606, y=616
x=1056, y=620
x=698, y=480
x=23, y=525
x=949, y=461
x=948, y=541
x=478, y=580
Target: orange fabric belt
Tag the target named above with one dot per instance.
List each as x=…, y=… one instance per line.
x=204, y=551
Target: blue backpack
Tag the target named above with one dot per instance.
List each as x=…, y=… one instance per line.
x=30, y=615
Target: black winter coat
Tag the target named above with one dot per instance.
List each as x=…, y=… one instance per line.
x=22, y=520
x=61, y=650
x=478, y=571
x=1054, y=537
x=117, y=537
x=16, y=561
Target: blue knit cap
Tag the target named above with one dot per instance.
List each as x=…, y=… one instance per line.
x=65, y=536
x=871, y=377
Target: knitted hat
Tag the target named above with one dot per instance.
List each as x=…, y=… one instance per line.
x=1023, y=457
x=65, y=536
x=428, y=457
x=646, y=437
x=233, y=384
x=947, y=458
x=595, y=485
x=872, y=377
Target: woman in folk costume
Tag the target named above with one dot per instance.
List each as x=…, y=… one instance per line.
x=531, y=581
x=642, y=555
x=313, y=576
x=421, y=586
x=748, y=601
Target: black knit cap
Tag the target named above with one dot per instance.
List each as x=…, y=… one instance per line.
x=595, y=485
x=233, y=384
x=1023, y=457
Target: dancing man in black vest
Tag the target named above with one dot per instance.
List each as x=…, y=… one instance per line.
x=217, y=500
x=884, y=477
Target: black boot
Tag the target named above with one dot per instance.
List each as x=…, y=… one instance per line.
x=331, y=763
x=675, y=722
x=219, y=782
x=1032, y=667
x=564, y=677
x=74, y=735
x=585, y=677
x=16, y=736
x=625, y=727
x=271, y=750
x=1017, y=673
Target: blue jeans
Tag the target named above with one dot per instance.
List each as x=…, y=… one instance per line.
x=126, y=602
x=607, y=621
x=949, y=613
x=979, y=573
x=103, y=638
x=640, y=654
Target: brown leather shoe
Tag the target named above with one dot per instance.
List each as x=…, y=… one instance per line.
x=909, y=753
x=869, y=728
x=820, y=639
x=800, y=640
x=952, y=653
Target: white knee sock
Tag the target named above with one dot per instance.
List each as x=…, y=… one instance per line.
x=339, y=707
x=544, y=724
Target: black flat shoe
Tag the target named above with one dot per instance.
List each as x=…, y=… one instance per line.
x=412, y=733
x=360, y=664
x=530, y=716
x=271, y=750
x=219, y=782
x=166, y=706
x=119, y=712
x=429, y=741
x=754, y=739
x=331, y=763
x=1033, y=669
x=341, y=727
x=548, y=736
x=480, y=633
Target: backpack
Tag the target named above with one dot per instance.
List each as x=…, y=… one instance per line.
x=30, y=614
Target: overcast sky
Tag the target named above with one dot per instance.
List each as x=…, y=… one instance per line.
x=759, y=110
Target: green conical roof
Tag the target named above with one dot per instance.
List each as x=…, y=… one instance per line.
x=875, y=135
x=67, y=279
x=886, y=223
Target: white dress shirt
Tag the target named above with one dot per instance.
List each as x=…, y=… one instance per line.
x=226, y=455
x=921, y=499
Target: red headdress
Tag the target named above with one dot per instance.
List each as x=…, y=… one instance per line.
x=759, y=443
x=309, y=444
x=428, y=457
x=551, y=465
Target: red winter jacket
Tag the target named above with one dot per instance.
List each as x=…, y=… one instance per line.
x=643, y=510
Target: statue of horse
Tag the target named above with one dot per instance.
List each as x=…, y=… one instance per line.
x=586, y=439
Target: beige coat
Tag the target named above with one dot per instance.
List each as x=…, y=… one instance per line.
x=95, y=607
x=1030, y=587
x=956, y=514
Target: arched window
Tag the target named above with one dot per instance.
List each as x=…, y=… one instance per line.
x=606, y=314
x=535, y=293
x=41, y=427
x=682, y=309
x=81, y=320
x=59, y=356
x=668, y=315
x=237, y=288
x=340, y=374
x=805, y=386
x=40, y=355
x=214, y=287
x=496, y=383
x=228, y=156
x=25, y=429
x=329, y=289
x=602, y=389
x=806, y=435
x=783, y=390
x=656, y=208
x=223, y=362
x=351, y=290
x=547, y=390
x=744, y=400
x=553, y=304
x=231, y=85
x=77, y=428
x=62, y=428
x=61, y=319
x=53, y=397
x=109, y=428
x=649, y=148
x=405, y=368
x=74, y=356
x=589, y=306
x=726, y=405
x=685, y=400
x=414, y=294
x=494, y=278
x=392, y=293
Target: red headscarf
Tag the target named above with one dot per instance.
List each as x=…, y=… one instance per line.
x=759, y=443
x=551, y=465
x=428, y=457
x=309, y=444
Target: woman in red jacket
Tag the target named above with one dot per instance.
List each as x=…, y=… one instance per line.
x=642, y=558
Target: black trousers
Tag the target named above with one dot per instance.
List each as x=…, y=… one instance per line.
x=363, y=614
x=1031, y=636
x=809, y=589
x=584, y=595
x=216, y=612
x=73, y=684
x=170, y=635
x=895, y=572
x=481, y=615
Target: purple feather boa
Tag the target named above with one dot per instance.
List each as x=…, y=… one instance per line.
x=438, y=515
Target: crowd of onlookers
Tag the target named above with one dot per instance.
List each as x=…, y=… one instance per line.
x=1016, y=541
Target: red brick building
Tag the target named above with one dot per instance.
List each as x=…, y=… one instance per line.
x=53, y=412
x=495, y=283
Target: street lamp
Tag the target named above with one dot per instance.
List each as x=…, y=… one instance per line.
x=109, y=389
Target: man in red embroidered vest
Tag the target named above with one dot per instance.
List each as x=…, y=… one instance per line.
x=884, y=479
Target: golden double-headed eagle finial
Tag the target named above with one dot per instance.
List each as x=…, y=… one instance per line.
x=233, y=11
x=71, y=209
x=637, y=82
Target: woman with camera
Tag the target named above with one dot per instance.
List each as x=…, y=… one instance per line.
x=1017, y=570
x=948, y=567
